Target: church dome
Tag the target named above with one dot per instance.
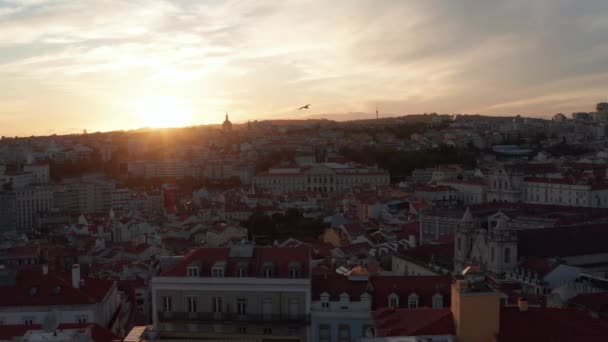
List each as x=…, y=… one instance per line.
x=227, y=125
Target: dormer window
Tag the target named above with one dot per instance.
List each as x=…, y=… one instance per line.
x=295, y=270
x=192, y=271
x=412, y=301
x=393, y=301
x=437, y=301
x=325, y=300
x=344, y=301
x=268, y=270
x=218, y=269
x=366, y=299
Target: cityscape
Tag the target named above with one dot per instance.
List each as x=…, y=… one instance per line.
x=318, y=222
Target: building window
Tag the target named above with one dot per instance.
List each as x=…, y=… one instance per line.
x=294, y=308
x=459, y=243
x=412, y=301
x=217, y=272
x=492, y=254
x=267, y=331
x=267, y=309
x=343, y=333
x=294, y=270
x=368, y=331
x=241, y=306
x=192, y=271
x=325, y=302
x=344, y=301
x=217, y=304
x=507, y=255
x=242, y=272
x=324, y=333
x=81, y=318
x=191, y=302
x=243, y=330
x=267, y=272
x=393, y=301
x=28, y=321
x=294, y=273
x=437, y=301
x=166, y=300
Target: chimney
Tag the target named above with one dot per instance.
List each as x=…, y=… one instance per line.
x=76, y=276
x=45, y=269
x=522, y=304
x=412, y=240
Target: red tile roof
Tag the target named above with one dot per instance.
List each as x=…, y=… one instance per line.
x=403, y=286
x=434, y=188
x=411, y=228
x=206, y=258
x=563, y=241
x=550, y=324
x=538, y=265
x=413, y=322
x=336, y=284
x=52, y=289
x=442, y=255
x=594, y=302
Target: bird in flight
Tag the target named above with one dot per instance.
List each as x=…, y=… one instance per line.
x=304, y=107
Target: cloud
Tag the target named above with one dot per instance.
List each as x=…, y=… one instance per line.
x=259, y=58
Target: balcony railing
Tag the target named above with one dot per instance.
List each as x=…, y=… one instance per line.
x=231, y=317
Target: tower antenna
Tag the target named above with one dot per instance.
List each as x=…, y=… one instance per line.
x=376, y=111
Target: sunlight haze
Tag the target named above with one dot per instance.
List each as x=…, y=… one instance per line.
x=108, y=65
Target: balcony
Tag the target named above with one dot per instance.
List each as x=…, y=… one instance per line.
x=231, y=317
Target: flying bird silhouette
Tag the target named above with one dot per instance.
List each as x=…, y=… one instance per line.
x=304, y=107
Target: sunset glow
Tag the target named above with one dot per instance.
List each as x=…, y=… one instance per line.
x=156, y=112
x=262, y=60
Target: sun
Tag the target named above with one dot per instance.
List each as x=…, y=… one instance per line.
x=163, y=111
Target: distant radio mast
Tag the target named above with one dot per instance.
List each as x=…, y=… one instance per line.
x=376, y=111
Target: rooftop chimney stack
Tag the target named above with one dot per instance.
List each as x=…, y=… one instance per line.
x=76, y=276
x=522, y=304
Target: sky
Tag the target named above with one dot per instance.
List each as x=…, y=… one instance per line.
x=66, y=66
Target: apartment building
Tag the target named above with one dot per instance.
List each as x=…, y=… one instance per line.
x=30, y=295
x=322, y=177
x=237, y=292
x=30, y=202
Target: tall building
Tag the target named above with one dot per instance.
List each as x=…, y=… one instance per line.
x=40, y=172
x=496, y=253
x=31, y=202
x=31, y=295
x=475, y=308
x=8, y=211
x=506, y=182
x=227, y=125
x=235, y=293
x=601, y=115
x=321, y=177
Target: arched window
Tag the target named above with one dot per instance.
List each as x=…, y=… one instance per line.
x=437, y=301
x=325, y=300
x=344, y=301
x=393, y=301
x=412, y=301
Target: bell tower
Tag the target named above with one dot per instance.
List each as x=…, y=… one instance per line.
x=463, y=240
x=502, y=246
